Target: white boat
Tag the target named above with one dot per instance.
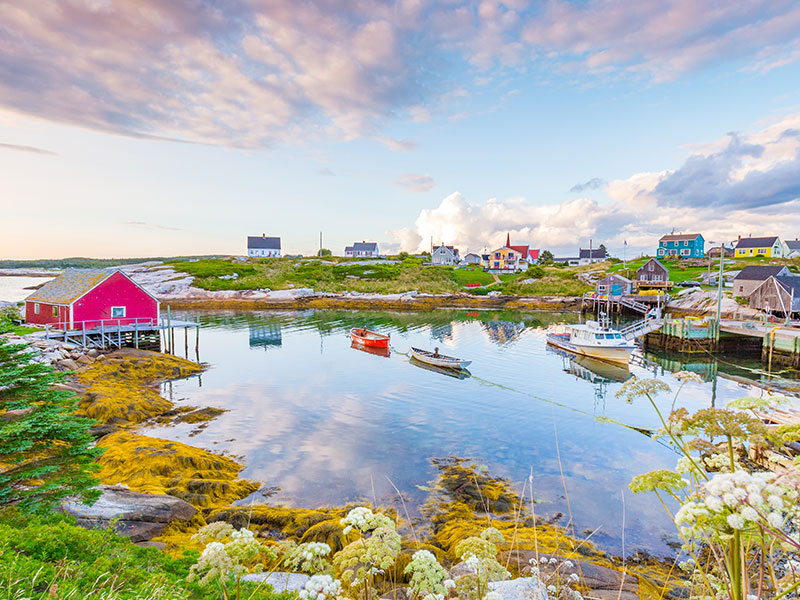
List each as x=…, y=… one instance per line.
x=439, y=360
x=594, y=338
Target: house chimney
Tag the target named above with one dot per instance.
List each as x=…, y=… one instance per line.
x=740, y=239
x=263, y=235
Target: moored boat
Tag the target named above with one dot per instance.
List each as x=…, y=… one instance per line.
x=377, y=351
x=595, y=339
x=365, y=337
x=439, y=360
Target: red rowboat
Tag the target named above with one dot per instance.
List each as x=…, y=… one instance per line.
x=366, y=337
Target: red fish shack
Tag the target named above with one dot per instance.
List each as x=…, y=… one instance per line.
x=88, y=298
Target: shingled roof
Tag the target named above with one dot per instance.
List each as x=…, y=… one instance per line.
x=679, y=237
x=256, y=242
x=757, y=242
x=69, y=286
x=759, y=272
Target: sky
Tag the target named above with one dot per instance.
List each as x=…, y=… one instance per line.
x=151, y=128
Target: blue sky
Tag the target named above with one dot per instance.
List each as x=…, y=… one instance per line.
x=148, y=128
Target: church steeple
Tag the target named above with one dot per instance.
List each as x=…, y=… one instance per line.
x=508, y=240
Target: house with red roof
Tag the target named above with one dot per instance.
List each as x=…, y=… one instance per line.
x=89, y=298
x=511, y=259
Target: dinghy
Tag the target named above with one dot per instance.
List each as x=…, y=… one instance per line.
x=439, y=360
x=373, y=339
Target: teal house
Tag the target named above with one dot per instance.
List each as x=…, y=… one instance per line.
x=682, y=245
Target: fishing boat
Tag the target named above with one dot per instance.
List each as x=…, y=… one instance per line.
x=596, y=339
x=365, y=337
x=439, y=360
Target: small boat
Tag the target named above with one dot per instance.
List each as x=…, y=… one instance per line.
x=439, y=360
x=384, y=352
x=456, y=373
x=596, y=339
x=373, y=339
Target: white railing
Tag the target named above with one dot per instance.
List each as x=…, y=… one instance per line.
x=103, y=324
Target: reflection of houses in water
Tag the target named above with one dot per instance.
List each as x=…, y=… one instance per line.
x=265, y=335
x=674, y=362
x=503, y=332
x=442, y=332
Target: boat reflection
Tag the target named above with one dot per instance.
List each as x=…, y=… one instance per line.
x=265, y=335
x=597, y=372
x=384, y=352
x=457, y=373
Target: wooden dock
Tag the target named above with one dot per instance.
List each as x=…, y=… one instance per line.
x=147, y=334
x=636, y=303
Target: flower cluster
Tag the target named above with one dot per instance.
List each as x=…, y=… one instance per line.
x=429, y=579
x=308, y=557
x=363, y=519
x=556, y=578
x=369, y=556
x=735, y=501
x=223, y=560
x=320, y=587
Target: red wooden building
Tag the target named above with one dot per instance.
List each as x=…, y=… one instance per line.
x=89, y=298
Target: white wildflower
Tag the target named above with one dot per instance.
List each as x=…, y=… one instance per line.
x=736, y=521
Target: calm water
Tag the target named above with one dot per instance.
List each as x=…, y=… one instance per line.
x=327, y=423
x=12, y=288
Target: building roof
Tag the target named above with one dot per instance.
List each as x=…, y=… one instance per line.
x=757, y=242
x=533, y=253
x=362, y=247
x=793, y=244
x=592, y=253
x=451, y=248
x=790, y=282
x=758, y=272
x=256, y=242
x=472, y=254
x=614, y=276
x=521, y=249
x=69, y=286
x=655, y=260
x=679, y=237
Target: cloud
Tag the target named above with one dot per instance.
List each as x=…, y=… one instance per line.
x=593, y=184
x=397, y=145
x=325, y=171
x=416, y=183
x=144, y=225
x=742, y=184
x=21, y=148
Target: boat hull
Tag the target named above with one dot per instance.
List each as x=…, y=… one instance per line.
x=370, y=339
x=617, y=354
x=443, y=362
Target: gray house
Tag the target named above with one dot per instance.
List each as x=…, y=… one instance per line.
x=263, y=246
x=652, y=275
x=588, y=256
x=362, y=249
x=614, y=285
x=472, y=258
x=752, y=276
x=778, y=294
x=793, y=247
x=444, y=255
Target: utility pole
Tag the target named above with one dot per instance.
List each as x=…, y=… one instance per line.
x=320, y=243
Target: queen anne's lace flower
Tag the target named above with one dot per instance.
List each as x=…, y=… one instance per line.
x=320, y=587
x=428, y=577
x=363, y=519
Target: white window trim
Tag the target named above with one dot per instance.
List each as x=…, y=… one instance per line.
x=36, y=308
x=118, y=317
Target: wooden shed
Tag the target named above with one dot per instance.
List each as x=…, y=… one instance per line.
x=88, y=298
x=778, y=294
x=614, y=285
x=652, y=275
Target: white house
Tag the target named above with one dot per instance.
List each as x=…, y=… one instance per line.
x=588, y=256
x=362, y=249
x=263, y=246
x=444, y=255
x=472, y=259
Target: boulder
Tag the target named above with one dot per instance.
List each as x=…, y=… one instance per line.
x=139, y=516
x=68, y=364
x=84, y=360
x=280, y=581
x=93, y=353
x=522, y=588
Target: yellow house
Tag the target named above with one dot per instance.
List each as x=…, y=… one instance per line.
x=771, y=247
x=504, y=259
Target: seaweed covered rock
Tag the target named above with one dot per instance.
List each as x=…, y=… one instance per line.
x=123, y=388
x=156, y=466
x=135, y=515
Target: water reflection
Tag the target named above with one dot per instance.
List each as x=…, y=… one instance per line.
x=384, y=352
x=456, y=373
x=265, y=335
x=329, y=425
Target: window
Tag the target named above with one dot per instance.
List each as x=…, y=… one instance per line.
x=650, y=267
x=55, y=311
x=685, y=243
x=117, y=312
x=661, y=252
x=36, y=308
x=685, y=252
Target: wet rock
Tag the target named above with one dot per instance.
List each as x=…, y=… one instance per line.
x=99, y=431
x=280, y=581
x=140, y=516
x=400, y=593
x=93, y=353
x=68, y=364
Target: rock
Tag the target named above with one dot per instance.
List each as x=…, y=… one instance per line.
x=99, y=431
x=610, y=595
x=460, y=569
x=101, y=357
x=93, y=353
x=68, y=364
x=522, y=588
x=68, y=347
x=493, y=294
x=140, y=516
x=400, y=593
x=84, y=360
x=151, y=544
x=280, y=581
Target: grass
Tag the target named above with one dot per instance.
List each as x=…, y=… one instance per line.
x=7, y=317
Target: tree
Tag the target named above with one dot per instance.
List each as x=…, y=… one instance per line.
x=603, y=248
x=546, y=256
x=46, y=450
x=324, y=252
x=402, y=256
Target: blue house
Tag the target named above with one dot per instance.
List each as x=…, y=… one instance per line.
x=682, y=245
